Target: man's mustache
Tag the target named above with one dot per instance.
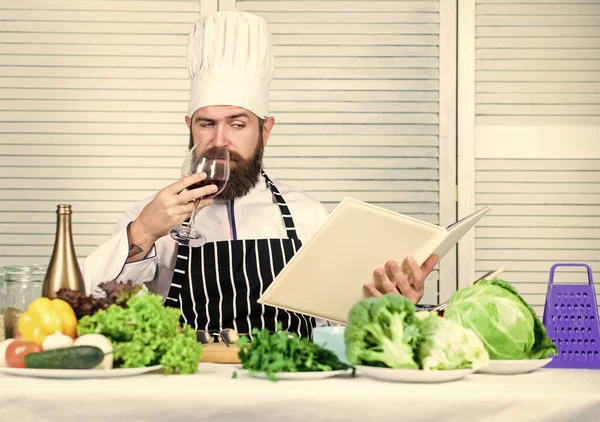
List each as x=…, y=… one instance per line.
x=214, y=152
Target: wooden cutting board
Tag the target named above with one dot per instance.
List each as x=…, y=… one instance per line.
x=220, y=353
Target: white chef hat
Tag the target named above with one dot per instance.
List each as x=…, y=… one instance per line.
x=230, y=62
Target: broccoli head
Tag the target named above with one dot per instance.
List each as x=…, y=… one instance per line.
x=383, y=331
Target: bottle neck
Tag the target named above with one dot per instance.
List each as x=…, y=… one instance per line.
x=63, y=229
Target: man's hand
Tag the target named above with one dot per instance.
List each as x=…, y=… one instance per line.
x=408, y=280
x=168, y=209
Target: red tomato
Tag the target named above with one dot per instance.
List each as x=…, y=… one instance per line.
x=17, y=350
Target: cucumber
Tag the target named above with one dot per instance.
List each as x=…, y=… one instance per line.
x=76, y=357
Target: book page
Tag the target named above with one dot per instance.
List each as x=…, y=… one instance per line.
x=325, y=278
x=457, y=230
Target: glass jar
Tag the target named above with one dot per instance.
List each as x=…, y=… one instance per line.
x=22, y=285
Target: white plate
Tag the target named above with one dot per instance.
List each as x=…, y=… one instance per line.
x=78, y=373
x=300, y=376
x=413, y=375
x=513, y=367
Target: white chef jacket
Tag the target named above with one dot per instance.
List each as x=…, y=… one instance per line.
x=257, y=216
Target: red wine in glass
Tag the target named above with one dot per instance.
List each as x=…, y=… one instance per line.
x=220, y=183
x=214, y=162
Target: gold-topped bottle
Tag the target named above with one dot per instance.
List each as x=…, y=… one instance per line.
x=63, y=270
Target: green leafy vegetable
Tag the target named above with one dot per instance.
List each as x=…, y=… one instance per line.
x=507, y=325
x=146, y=333
x=183, y=354
x=282, y=351
x=448, y=345
x=116, y=293
x=383, y=331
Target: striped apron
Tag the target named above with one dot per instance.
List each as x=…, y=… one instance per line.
x=217, y=285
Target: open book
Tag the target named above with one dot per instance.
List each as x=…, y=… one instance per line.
x=325, y=278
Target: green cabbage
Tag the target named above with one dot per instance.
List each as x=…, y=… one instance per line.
x=507, y=325
x=448, y=345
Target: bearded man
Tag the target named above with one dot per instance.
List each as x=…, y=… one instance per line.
x=253, y=227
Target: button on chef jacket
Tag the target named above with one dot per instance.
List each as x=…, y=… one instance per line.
x=256, y=216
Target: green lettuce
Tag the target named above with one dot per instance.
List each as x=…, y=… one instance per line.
x=507, y=325
x=146, y=333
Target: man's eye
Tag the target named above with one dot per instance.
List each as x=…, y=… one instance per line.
x=207, y=124
x=238, y=125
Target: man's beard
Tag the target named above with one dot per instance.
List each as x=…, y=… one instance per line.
x=244, y=175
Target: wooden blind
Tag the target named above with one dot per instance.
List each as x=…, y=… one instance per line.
x=537, y=145
x=92, y=100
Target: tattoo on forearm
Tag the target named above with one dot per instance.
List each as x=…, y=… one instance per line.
x=134, y=250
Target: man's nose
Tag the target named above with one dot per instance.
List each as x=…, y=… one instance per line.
x=220, y=137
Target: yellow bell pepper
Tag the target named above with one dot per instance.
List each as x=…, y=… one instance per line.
x=45, y=317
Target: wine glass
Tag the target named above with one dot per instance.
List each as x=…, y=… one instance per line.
x=215, y=163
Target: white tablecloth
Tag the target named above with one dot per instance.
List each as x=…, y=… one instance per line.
x=212, y=395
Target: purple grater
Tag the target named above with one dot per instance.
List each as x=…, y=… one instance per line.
x=571, y=319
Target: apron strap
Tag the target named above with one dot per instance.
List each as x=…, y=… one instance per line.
x=288, y=221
